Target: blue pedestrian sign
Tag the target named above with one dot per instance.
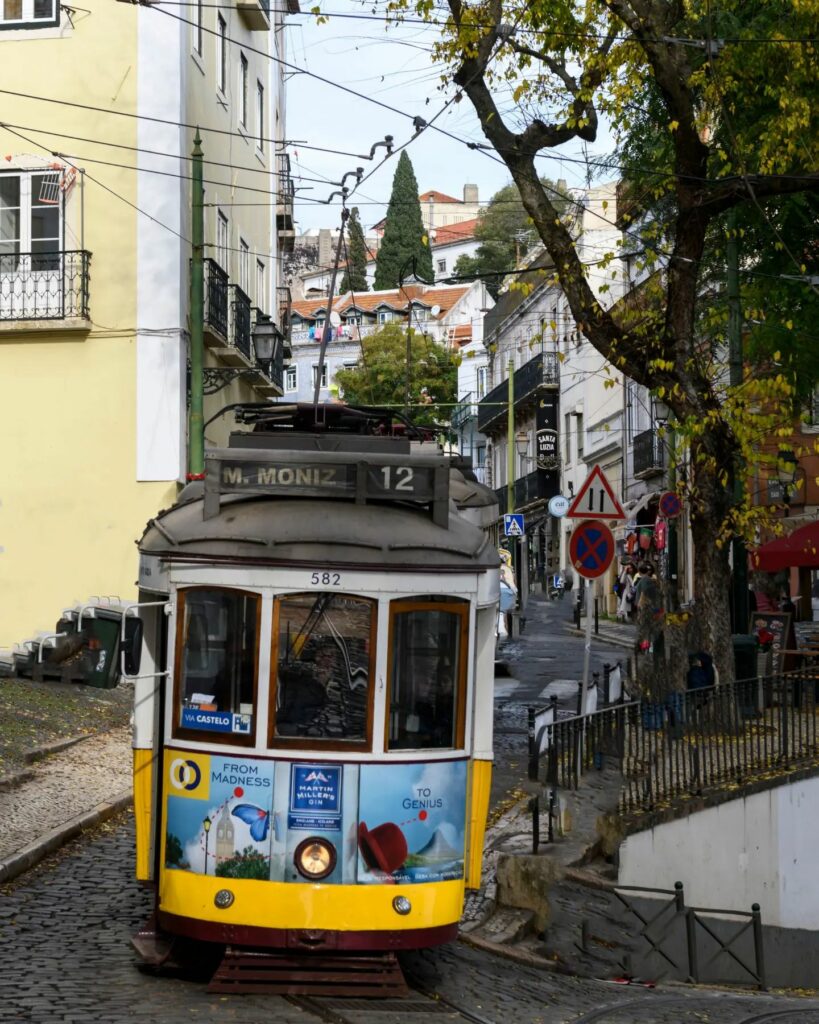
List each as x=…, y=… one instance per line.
x=513, y=525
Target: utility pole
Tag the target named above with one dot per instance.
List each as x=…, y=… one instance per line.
x=510, y=437
x=325, y=334
x=196, y=422
x=735, y=362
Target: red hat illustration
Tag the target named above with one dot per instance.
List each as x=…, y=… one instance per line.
x=384, y=848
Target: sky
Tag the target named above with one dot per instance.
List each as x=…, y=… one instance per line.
x=393, y=66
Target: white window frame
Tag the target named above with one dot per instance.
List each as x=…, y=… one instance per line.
x=259, y=116
x=244, y=266
x=198, y=27
x=222, y=240
x=481, y=378
x=28, y=18
x=323, y=376
x=244, y=78
x=25, y=242
x=387, y=316
x=221, y=54
x=291, y=373
x=261, y=285
x=441, y=266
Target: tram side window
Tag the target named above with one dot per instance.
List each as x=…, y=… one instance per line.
x=217, y=661
x=324, y=669
x=427, y=675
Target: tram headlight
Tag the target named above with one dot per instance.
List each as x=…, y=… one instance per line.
x=401, y=905
x=315, y=858
x=223, y=899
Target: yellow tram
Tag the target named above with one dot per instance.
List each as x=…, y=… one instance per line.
x=313, y=707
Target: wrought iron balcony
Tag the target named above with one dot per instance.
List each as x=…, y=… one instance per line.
x=540, y=372
x=240, y=322
x=539, y=485
x=463, y=412
x=285, y=304
x=44, y=285
x=216, y=299
x=648, y=454
x=286, y=194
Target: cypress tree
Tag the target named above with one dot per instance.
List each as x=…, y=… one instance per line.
x=355, y=276
x=405, y=236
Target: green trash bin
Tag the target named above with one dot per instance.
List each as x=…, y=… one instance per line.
x=101, y=661
x=749, y=698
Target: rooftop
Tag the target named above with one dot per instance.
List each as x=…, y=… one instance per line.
x=444, y=296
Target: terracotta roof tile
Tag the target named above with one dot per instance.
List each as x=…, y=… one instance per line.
x=455, y=232
x=368, y=302
x=438, y=197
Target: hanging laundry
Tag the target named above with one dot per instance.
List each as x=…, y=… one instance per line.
x=631, y=543
x=646, y=537
x=660, y=529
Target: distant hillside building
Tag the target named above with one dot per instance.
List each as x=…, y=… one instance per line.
x=438, y=209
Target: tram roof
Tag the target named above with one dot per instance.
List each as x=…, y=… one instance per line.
x=288, y=504
x=290, y=531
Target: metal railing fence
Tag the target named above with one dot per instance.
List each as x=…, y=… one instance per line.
x=51, y=285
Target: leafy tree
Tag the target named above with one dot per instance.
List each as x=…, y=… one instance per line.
x=505, y=231
x=355, y=275
x=247, y=864
x=173, y=850
x=381, y=375
x=405, y=247
x=734, y=106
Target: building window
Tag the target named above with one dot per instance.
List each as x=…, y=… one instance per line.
x=260, y=115
x=31, y=260
x=386, y=316
x=581, y=439
x=291, y=378
x=243, y=90
x=222, y=234
x=244, y=266
x=37, y=13
x=352, y=318
x=441, y=266
x=420, y=314
x=197, y=26
x=567, y=435
x=221, y=54
x=261, y=287
x=323, y=375
x=480, y=380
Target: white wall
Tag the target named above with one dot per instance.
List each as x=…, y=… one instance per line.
x=757, y=849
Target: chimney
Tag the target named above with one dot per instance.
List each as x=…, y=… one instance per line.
x=470, y=193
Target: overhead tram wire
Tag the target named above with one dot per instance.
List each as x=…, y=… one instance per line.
x=431, y=23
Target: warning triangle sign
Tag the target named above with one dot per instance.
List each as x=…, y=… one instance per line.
x=596, y=499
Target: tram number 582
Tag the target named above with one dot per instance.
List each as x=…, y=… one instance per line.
x=325, y=579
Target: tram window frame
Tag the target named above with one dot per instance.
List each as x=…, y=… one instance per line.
x=455, y=605
x=319, y=743
x=211, y=735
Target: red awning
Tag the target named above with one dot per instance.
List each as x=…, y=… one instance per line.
x=801, y=548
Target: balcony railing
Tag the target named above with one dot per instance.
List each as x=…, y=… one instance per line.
x=648, y=454
x=216, y=298
x=540, y=372
x=256, y=14
x=285, y=304
x=463, y=412
x=538, y=485
x=240, y=322
x=286, y=193
x=44, y=285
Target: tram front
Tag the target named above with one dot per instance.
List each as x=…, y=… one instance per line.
x=313, y=723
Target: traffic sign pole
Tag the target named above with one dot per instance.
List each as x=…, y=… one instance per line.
x=587, y=651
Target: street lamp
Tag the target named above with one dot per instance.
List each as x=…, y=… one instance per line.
x=206, y=824
x=522, y=443
x=786, y=467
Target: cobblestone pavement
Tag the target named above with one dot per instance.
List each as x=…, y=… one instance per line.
x=65, y=957
x=66, y=785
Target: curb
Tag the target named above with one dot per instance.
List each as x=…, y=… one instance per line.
x=39, y=753
x=16, y=779
x=30, y=855
x=614, y=641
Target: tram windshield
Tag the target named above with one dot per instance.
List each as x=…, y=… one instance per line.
x=427, y=675
x=324, y=672
x=217, y=661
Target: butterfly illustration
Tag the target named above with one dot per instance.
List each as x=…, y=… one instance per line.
x=258, y=820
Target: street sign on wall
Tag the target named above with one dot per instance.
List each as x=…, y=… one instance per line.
x=591, y=549
x=596, y=499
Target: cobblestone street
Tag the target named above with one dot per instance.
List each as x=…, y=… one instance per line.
x=65, y=957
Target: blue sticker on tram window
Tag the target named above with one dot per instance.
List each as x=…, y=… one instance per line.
x=315, y=797
x=213, y=721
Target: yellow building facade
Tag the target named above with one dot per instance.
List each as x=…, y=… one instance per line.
x=95, y=199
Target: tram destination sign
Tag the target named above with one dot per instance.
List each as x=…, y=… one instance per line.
x=310, y=477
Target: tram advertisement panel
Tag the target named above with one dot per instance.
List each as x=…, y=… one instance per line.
x=219, y=815
x=411, y=822
x=243, y=817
